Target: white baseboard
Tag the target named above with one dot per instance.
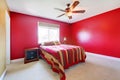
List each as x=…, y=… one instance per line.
x=3, y=75
x=17, y=60
x=104, y=56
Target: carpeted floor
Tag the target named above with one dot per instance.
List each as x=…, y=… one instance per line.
x=95, y=68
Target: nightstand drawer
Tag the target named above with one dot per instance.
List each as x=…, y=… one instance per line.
x=31, y=55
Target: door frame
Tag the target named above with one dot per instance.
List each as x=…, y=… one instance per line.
x=7, y=17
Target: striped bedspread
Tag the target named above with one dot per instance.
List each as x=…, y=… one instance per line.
x=63, y=56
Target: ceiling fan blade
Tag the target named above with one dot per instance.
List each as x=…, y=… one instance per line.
x=61, y=15
x=74, y=4
x=70, y=17
x=78, y=11
x=60, y=9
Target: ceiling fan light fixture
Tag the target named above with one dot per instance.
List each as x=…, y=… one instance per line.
x=70, y=9
x=69, y=14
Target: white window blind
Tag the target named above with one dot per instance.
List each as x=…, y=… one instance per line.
x=48, y=32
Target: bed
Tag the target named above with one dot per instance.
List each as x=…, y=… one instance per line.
x=62, y=56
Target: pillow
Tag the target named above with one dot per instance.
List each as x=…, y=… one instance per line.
x=51, y=43
x=48, y=43
x=57, y=43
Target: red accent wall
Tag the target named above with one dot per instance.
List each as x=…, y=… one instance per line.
x=99, y=34
x=24, y=32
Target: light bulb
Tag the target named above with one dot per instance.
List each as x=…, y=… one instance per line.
x=69, y=14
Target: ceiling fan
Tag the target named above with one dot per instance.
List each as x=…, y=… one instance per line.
x=70, y=10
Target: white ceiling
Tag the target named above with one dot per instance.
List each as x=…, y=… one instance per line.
x=45, y=8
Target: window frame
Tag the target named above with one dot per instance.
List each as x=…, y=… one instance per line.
x=49, y=26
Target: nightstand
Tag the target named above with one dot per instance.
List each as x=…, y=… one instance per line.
x=31, y=54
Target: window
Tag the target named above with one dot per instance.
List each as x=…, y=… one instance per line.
x=48, y=32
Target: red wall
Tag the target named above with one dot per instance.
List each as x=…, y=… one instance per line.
x=99, y=34
x=24, y=32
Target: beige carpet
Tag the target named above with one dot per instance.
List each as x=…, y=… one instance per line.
x=95, y=68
